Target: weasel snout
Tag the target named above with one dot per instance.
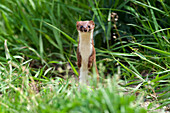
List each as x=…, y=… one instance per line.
x=84, y=29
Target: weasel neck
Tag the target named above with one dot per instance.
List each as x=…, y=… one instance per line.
x=86, y=37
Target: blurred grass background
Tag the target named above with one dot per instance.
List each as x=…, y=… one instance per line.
x=38, y=41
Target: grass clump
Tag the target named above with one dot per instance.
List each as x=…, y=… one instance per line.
x=57, y=95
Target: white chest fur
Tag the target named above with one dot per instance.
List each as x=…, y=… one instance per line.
x=85, y=49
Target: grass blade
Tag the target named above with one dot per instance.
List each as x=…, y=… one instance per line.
x=74, y=69
x=67, y=36
x=153, y=49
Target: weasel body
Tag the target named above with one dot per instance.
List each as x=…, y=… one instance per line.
x=85, y=51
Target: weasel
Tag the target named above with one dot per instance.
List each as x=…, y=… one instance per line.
x=86, y=54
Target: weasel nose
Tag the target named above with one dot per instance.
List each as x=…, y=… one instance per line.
x=85, y=30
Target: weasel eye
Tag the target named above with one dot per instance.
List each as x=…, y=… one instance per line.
x=81, y=26
x=88, y=26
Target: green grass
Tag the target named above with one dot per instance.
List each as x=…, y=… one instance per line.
x=62, y=96
x=38, y=41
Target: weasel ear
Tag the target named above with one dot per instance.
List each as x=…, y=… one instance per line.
x=93, y=24
x=77, y=25
x=77, y=22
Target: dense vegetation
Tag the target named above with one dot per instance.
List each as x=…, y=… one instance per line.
x=38, y=41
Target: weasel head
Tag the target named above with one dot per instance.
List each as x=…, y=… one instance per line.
x=85, y=26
